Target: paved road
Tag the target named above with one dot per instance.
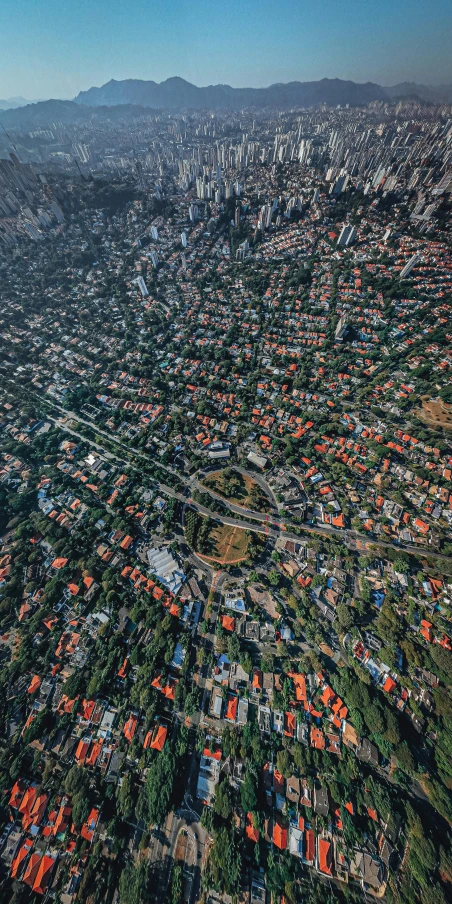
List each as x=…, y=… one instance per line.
x=195, y=484
x=162, y=849
x=271, y=528
x=258, y=478
x=262, y=482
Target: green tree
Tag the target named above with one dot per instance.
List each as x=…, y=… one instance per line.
x=80, y=808
x=134, y=883
x=405, y=758
x=283, y=762
x=344, y=616
x=225, y=862
x=268, y=662
x=222, y=803
x=246, y=662
x=248, y=792
x=176, y=884
x=233, y=647
x=159, y=785
x=125, y=796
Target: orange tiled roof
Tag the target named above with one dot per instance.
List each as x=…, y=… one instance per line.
x=251, y=832
x=130, y=727
x=43, y=874
x=19, y=860
x=279, y=835
x=34, y=685
x=227, y=622
x=31, y=870
x=325, y=857
x=159, y=738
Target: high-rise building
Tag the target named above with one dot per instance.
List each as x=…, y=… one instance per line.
x=243, y=251
x=265, y=217
x=83, y=152
x=193, y=212
x=57, y=212
x=347, y=236
x=340, y=185
x=409, y=265
x=341, y=328
x=142, y=286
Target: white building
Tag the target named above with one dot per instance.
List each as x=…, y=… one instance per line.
x=142, y=286
x=165, y=567
x=409, y=266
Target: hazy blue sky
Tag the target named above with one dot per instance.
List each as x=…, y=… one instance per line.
x=55, y=48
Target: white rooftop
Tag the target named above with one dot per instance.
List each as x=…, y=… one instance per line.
x=163, y=564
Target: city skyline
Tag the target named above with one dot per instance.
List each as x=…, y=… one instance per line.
x=63, y=49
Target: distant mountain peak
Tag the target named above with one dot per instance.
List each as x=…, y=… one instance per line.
x=175, y=80
x=11, y=103
x=175, y=92
x=131, y=97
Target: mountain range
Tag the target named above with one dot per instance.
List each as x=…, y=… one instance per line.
x=12, y=102
x=176, y=93
x=132, y=97
x=47, y=112
x=435, y=94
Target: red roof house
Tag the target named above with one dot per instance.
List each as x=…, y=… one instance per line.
x=17, y=793
x=34, y=685
x=280, y=835
x=31, y=871
x=130, y=727
x=43, y=875
x=325, y=856
x=18, y=863
x=88, y=827
x=159, y=737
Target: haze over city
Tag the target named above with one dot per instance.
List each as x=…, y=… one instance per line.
x=55, y=49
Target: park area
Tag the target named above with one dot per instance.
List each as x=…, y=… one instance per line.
x=238, y=488
x=215, y=542
x=230, y=544
x=436, y=413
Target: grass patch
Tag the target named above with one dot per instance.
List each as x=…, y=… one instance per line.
x=231, y=543
x=221, y=543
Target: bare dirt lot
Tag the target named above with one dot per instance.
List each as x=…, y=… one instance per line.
x=264, y=599
x=181, y=846
x=229, y=545
x=436, y=413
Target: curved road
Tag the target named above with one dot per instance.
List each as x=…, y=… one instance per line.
x=272, y=529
